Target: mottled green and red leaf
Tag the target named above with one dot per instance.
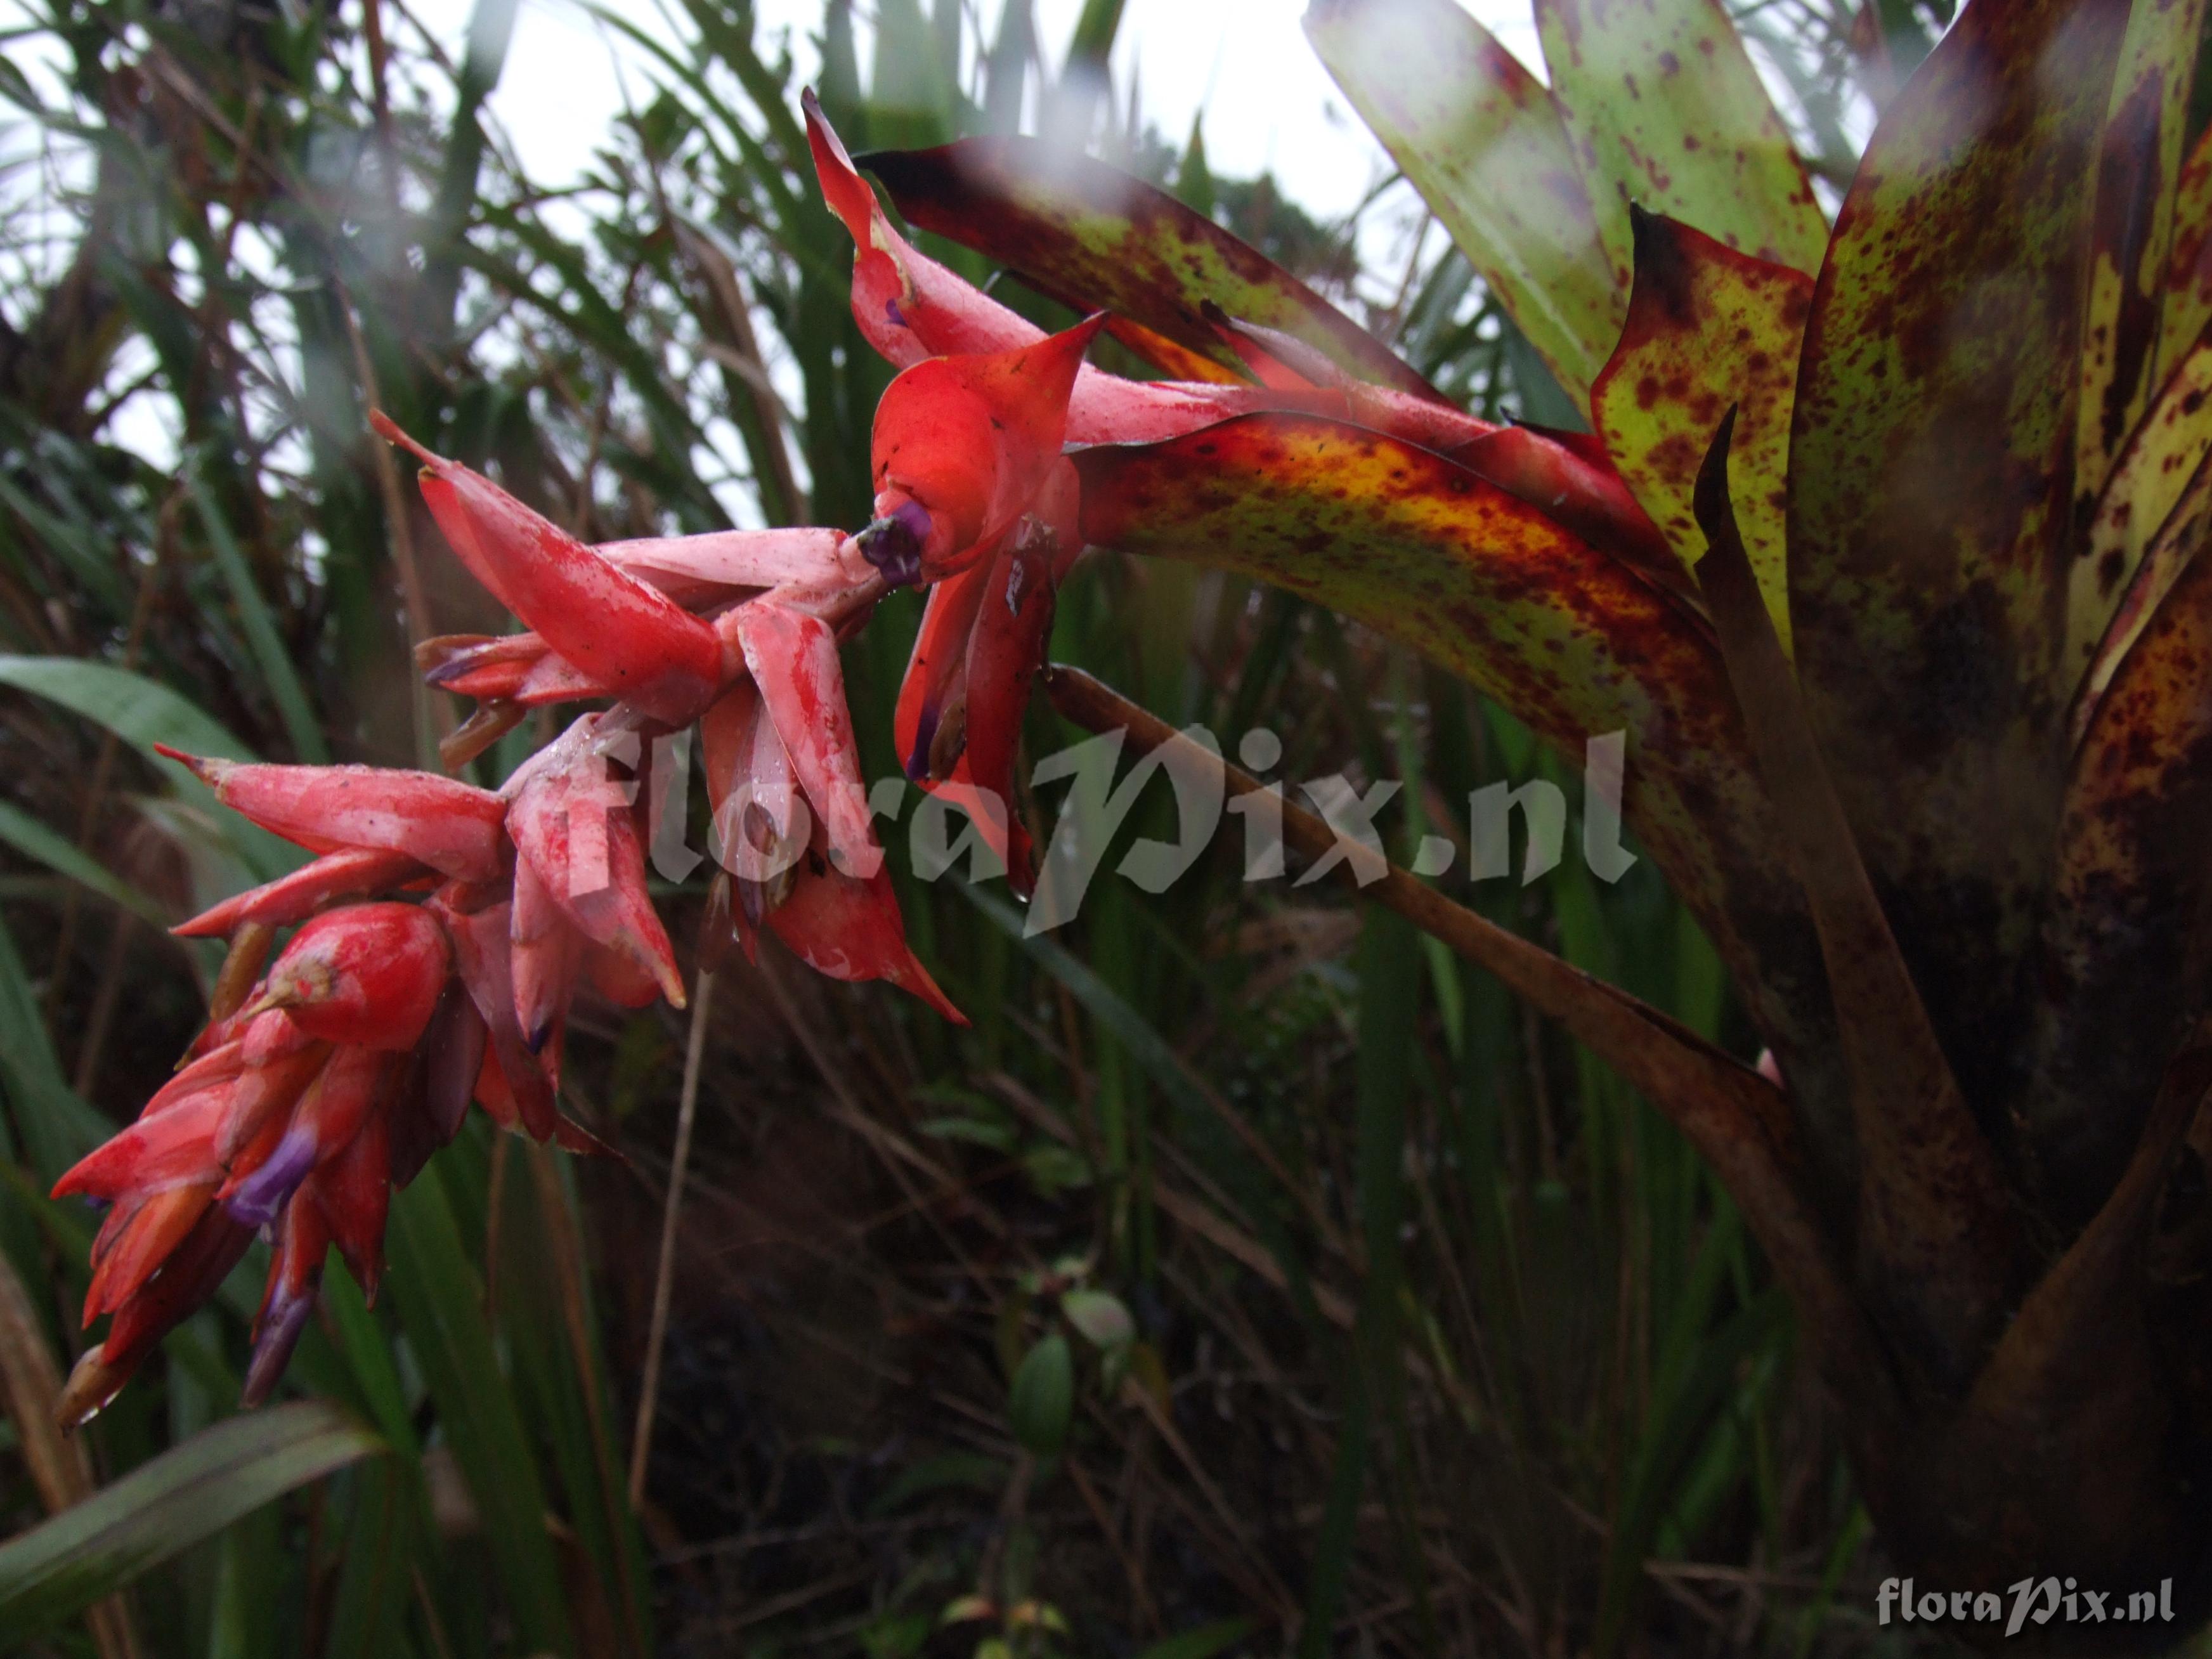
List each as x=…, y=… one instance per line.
x=2138, y=180
x=1667, y=113
x=1931, y=490
x=2121, y=965
x=1576, y=643
x=1482, y=140
x=2127, y=560
x=1709, y=330
x=1092, y=237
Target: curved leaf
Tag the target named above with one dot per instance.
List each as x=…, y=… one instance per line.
x=190, y=1493
x=1043, y=1396
x=142, y=712
x=2126, y=563
x=1482, y=141
x=441, y=1306
x=1096, y=239
x=1666, y=113
x=2121, y=970
x=34, y=840
x=2138, y=176
x=2187, y=303
x=147, y=715
x=1936, y=1229
x=1931, y=491
x=1708, y=328
x=271, y=652
x=57, y=1125
x=1408, y=543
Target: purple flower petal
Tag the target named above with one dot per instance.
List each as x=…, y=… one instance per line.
x=263, y=1193
x=281, y=1325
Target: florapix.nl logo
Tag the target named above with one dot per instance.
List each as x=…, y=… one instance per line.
x=2030, y=1601
x=964, y=829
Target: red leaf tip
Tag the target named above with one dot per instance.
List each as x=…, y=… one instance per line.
x=207, y=771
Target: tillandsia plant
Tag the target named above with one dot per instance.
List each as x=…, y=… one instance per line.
x=1878, y=545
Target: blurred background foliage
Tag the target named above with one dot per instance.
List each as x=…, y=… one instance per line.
x=1253, y=1277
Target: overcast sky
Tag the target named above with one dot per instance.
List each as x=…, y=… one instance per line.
x=1267, y=100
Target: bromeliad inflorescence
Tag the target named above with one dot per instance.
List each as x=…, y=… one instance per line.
x=442, y=930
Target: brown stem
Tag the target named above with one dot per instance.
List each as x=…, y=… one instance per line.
x=664, y=1278
x=60, y=1469
x=432, y=722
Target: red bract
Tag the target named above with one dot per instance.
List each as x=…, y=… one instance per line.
x=970, y=441
x=443, y=823
x=849, y=928
x=793, y=659
x=760, y=821
x=241, y=1139
x=911, y=308
x=1004, y=650
x=581, y=868
x=721, y=563
x=191, y=1273
x=620, y=634
x=342, y=874
x=908, y=306
x=792, y=824
x=982, y=638
x=367, y=975
x=697, y=571
x=358, y=1053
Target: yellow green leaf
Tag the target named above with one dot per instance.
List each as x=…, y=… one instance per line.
x=2188, y=304
x=1931, y=492
x=2124, y=566
x=1666, y=113
x=1482, y=140
x=1096, y=239
x=2131, y=236
x=1708, y=328
x=1574, y=641
x=188, y=1493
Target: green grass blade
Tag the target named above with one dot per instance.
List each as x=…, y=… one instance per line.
x=261, y=635
x=34, y=840
x=441, y=1304
x=1391, y=975
x=57, y=1125
x=187, y=1494
x=142, y=713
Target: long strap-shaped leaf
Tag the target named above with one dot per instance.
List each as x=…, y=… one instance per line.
x=1931, y=494
x=144, y=712
x=2132, y=237
x=30, y=1385
x=2187, y=303
x=1738, y=1121
x=2121, y=967
x=2138, y=540
x=1426, y=552
x=1707, y=326
x=1098, y=239
x=1482, y=140
x=2066, y=1381
x=1666, y=113
x=1935, y=1223
x=188, y=1493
